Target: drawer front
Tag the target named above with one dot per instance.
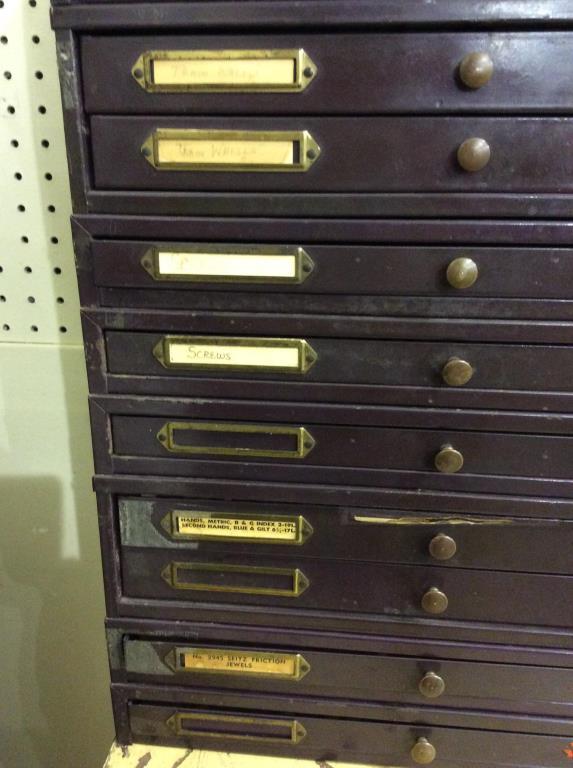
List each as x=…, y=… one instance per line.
x=382, y=154
x=329, y=73
x=350, y=588
x=281, y=530
x=295, y=671
x=343, y=361
x=337, y=271
x=380, y=743
x=434, y=451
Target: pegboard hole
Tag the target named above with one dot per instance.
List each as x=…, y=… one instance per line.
x=52, y=208
x=11, y=110
x=21, y=207
x=63, y=329
x=15, y=143
x=5, y=327
x=48, y=176
x=24, y=239
x=31, y=299
x=32, y=3
x=18, y=176
x=2, y=299
x=42, y=109
x=34, y=328
x=35, y=39
x=60, y=299
x=57, y=270
x=45, y=143
x=54, y=240
x=39, y=75
x=27, y=269
x=4, y=40
x=8, y=75
x=1, y=269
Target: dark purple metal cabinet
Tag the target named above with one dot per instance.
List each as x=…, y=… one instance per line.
x=385, y=93
x=125, y=536
x=328, y=730
x=324, y=255
x=470, y=677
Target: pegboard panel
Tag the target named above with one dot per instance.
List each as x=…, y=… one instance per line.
x=38, y=292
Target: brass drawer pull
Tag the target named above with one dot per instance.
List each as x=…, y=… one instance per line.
x=205, y=725
x=235, y=353
x=195, y=149
x=442, y=547
x=268, y=264
x=434, y=601
x=474, y=154
x=448, y=460
x=230, y=661
x=249, y=440
x=431, y=685
x=423, y=752
x=226, y=71
x=238, y=579
x=457, y=372
x=476, y=69
x=462, y=273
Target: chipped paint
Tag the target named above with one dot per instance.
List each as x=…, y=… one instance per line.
x=433, y=520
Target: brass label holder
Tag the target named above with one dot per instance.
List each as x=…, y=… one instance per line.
x=268, y=264
x=193, y=525
x=182, y=725
x=173, y=572
x=224, y=71
x=304, y=440
x=241, y=663
x=235, y=354
x=194, y=149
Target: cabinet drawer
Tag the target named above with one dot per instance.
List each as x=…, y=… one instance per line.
x=282, y=530
x=334, y=445
x=331, y=154
x=299, y=73
x=312, y=360
x=347, y=588
x=298, y=671
x=300, y=729
x=338, y=279
x=441, y=451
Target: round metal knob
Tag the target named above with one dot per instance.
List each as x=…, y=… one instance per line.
x=474, y=154
x=476, y=69
x=423, y=752
x=462, y=272
x=434, y=601
x=457, y=372
x=431, y=685
x=442, y=547
x=448, y=460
